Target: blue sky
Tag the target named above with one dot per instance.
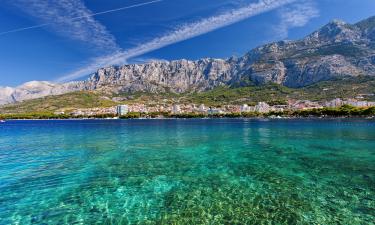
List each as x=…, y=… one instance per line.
x=62, y=40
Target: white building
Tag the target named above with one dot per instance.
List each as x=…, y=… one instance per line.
x=352, y=102
x=202, y=108
x=215, y=111
x=59, y=113
x=262, y=107
x=357, y=103
x=245, y=108
x=279, y=108
x=122, y=110
x=176, y=109
x=335, y=103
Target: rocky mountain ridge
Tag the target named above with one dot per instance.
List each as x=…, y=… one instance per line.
x=36, y=89
x=336, y=50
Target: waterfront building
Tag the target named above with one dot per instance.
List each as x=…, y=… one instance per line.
x=352, y=102
x=335, y=103
x=279, y=108
x=176, y=109
x=245, y=108
x=305, y=104
x=202, y=108
x=215, y=111
x=262, y=107
x=122, y=110
x=357, y=103
x=232, y=109
x=59, y=113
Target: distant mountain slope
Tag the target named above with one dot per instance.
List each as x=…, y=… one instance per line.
x=336, y=50
x=36, y=89
x=66, y=102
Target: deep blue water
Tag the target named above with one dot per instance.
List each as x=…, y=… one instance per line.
x=202, y=171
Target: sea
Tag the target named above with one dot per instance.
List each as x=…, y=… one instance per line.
x=188, y=171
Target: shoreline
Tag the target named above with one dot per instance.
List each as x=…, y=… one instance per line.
x=197, y=118
x=321, y=113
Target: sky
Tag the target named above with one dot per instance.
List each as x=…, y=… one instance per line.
x=65, y=40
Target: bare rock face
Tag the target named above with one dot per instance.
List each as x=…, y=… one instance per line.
x=306, y=72
x=336, y=50
x=6, y=95
x=175, y=76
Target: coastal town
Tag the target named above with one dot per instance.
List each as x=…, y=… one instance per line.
x=175, y=109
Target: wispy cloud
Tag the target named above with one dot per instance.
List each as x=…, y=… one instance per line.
x=295, y=15
x=61, y=16
x=179, y=34
x=79, y=17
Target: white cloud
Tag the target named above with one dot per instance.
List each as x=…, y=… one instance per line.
x=19, y=3
x=295, y=15
x=61, y=16
x=142, y=60
x=179, y=34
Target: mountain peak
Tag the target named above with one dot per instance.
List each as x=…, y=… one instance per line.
x=336, y=31
x=337, y=25
x=337, y=22
x=367, y=26
x=368, y=23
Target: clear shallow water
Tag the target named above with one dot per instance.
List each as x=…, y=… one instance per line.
x=187, y=172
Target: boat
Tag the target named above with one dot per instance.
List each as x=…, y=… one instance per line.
x=2, y=121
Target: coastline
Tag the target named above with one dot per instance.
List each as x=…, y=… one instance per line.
x=345, y=111
x=199, y=118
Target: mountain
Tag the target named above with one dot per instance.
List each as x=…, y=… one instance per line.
x=336, y=50
x=36, y=89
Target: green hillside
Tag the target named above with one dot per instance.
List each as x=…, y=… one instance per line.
x=276, y=94
x=81, y=99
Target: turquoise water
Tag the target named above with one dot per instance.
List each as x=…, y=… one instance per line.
x=187, y=172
